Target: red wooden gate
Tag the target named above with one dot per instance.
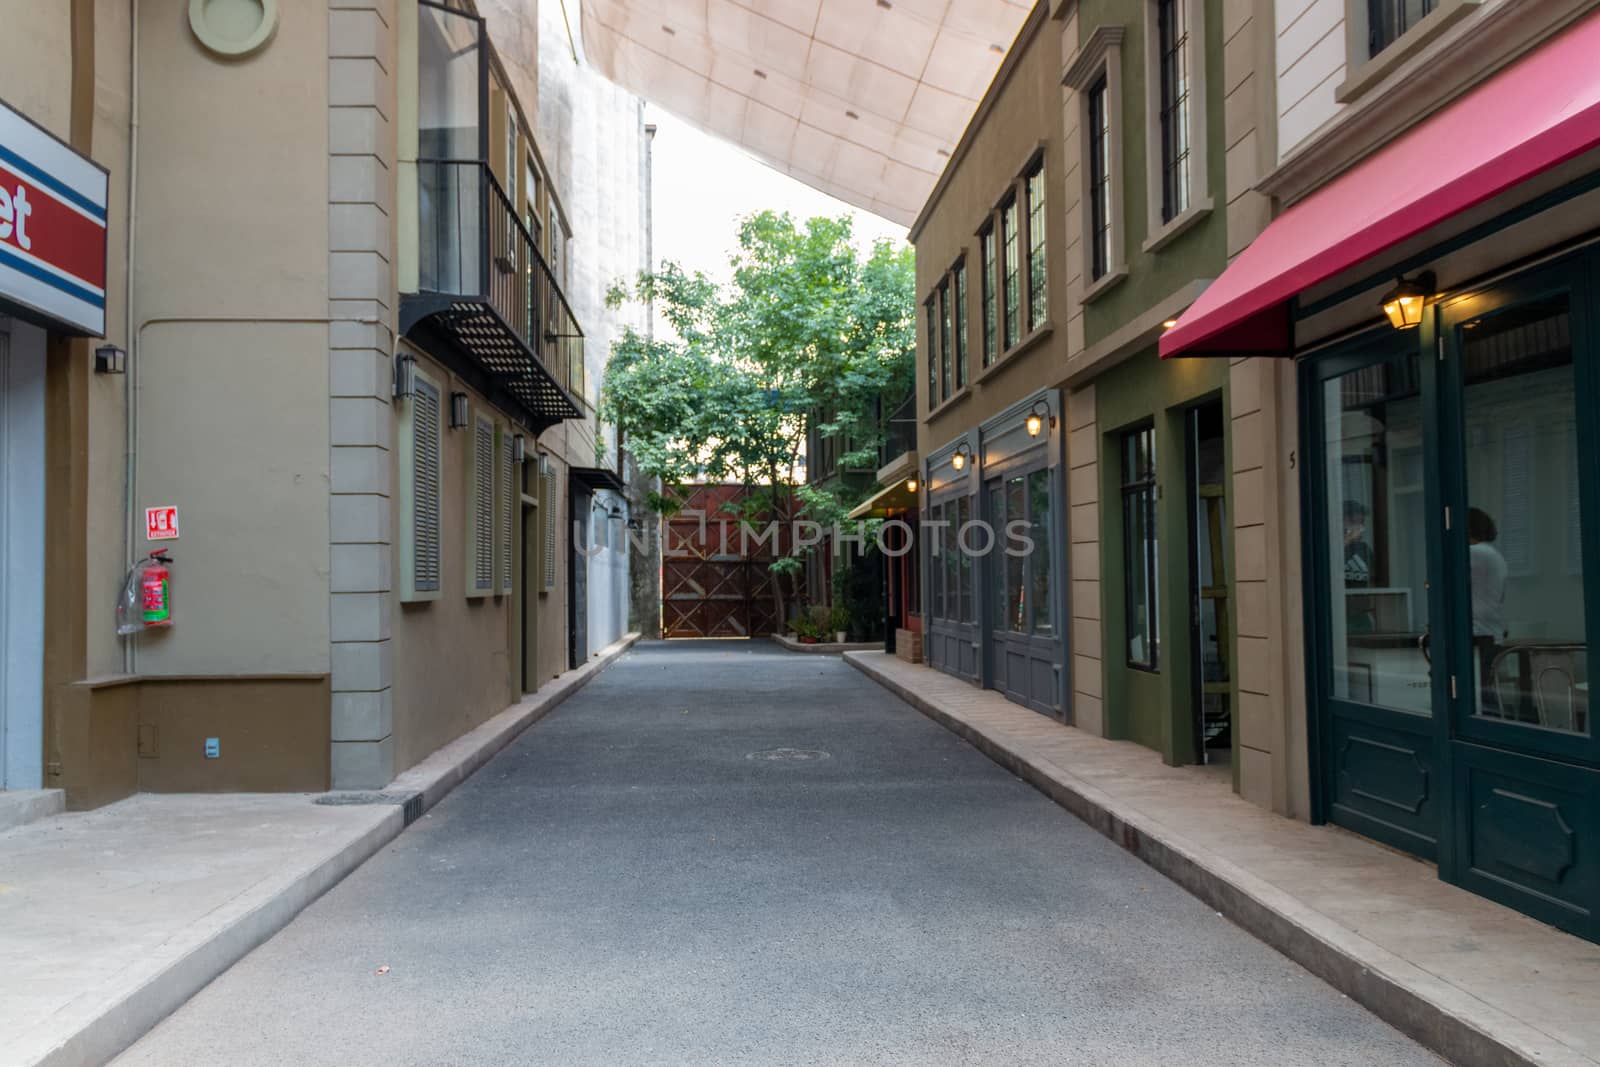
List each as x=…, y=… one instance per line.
x=716, y=579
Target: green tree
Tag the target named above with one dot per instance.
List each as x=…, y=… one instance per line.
x=806, y=324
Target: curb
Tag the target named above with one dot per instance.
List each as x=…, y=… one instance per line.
x=22, y=806
x=1413, y=1001
x=118, y=1026
x=830, y=648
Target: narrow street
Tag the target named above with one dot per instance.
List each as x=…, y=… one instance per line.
x=719, y=852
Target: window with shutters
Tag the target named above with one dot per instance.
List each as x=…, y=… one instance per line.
x=480, y=508
x=421, y=446
x=507, y=503
x=547, y=508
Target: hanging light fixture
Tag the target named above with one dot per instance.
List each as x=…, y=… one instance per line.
x=1404, y=303
x=958, y=458
x=1038, y=416
x=911, y=485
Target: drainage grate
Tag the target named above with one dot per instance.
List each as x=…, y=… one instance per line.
x=788, y=755
x=412, y=802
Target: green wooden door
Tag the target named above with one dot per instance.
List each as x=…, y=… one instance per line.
x=1516, y=367
x=1369, y=440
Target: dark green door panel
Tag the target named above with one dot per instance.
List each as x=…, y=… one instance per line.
x=1385, y=784
x=1529, y=834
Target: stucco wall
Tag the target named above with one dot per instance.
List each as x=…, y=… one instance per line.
x=1020, y=118
x=452, y=657
x=231, y=348
x=36, y=63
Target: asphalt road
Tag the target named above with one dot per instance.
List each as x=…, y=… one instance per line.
x=642, y=879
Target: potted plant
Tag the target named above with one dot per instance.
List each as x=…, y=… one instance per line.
x=839, y=622
x=805, y=630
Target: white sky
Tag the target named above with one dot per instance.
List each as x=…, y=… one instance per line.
x=703, y=186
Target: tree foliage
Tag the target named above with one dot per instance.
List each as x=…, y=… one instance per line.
x=807, y=324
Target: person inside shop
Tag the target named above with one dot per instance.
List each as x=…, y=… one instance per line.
x=1488, y=568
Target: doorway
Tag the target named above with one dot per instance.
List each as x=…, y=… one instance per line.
x=22, y=551
x=1209, y=635
x=580, y=500
x=1452, y=562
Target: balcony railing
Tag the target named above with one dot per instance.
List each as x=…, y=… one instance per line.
x=484, y=285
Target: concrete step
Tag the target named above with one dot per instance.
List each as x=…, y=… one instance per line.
x=21, y=806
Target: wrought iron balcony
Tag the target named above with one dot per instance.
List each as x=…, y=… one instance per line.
x=485, y=293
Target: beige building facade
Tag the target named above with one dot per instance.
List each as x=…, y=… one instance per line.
x=335, y=293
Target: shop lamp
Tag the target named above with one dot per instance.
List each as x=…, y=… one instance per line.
x=405, y=375
x=109, y=359
x=519, y=448
x=958, y=458
x=911, y=485
x=458, y=411
x=1037, y=417
x=1404, y=303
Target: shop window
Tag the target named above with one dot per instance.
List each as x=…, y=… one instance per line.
x=988, y=282
x=1039, y=559
x=936, y=562
x=421, y=446
x=1010, y=271
x=959, y=284
x=1037, y=287
x=1016, y=562
x=963, y=561
x=1140, y=549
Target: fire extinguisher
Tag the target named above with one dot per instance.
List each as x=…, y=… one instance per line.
x=155, y=591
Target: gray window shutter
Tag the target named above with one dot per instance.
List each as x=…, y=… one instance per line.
x=483, y=506
x=508, y=493
x=425, y=464
x=550, y=528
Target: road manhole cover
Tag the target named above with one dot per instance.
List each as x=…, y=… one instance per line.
x=788, y=755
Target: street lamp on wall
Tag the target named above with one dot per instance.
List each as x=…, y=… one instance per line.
x=109, y=359
x=1403, y=304
x=1038, y=416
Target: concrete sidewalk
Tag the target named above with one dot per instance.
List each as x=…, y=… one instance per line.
x=1474, y=981
x=111, y=919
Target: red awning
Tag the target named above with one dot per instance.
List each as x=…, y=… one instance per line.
x=1537, y=113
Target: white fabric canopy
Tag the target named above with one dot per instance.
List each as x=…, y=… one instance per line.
x=862, y=99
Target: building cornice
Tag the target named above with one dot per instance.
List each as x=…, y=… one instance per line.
x=980, y=115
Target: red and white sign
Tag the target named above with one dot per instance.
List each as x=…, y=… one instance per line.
x=52, y=229
x=161, y=524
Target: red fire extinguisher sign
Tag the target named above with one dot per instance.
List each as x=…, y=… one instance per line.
x=161, y=524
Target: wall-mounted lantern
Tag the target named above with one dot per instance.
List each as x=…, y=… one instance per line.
x=958, y=458
x=519, y=448
x=109, y=359
x=458, y=411
x=911, y=485
x=1404, y=303
x=1038, y=416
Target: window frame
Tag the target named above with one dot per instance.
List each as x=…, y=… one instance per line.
x=1364, y=68
x=958, y=290
x=1011, y=309
x=1163, y=225
x=1141, y=486
x=988, y=245
x=1100, y=60
x=1036, y=225
x=931, y=318
x=410, y=592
